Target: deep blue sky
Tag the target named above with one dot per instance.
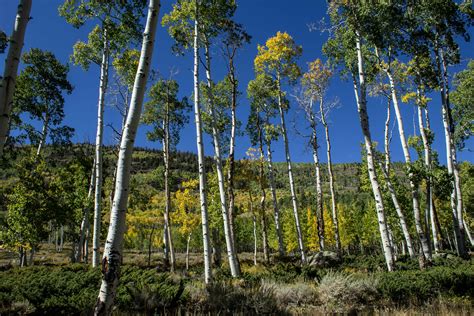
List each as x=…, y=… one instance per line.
x=262, y=19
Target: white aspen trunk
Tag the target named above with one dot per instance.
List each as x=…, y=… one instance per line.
x=468, y=233
x=231, y=158
x=450, y=160
x=188, y=240
x=433, y=216
x=201, y=161
x=319, y=190
x=335, y=219
x=44, y=135
x=386, y=172
x=263, y=221
x=427, y=161
x=166, y=159
x=150, y=241
x=113, y=247
x=233, y=264
x=457, y=179
x=364, y=122
x=61, y=238
x=425, y=247
x=85, y=219
x=290, y=175
x=276, y=211
x=104, y=74
x=8, y=81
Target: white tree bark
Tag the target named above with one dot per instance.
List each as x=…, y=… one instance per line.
x=364, y=122
x=451, y=156
x=319, y=190
x=331, y=180
x=85, y=220
x=429, y=210
x=113, y=247
x=233, y=264
x=391, y=189
x=166, y=159
x=290, y=175
x=8, y=81
x=276, y=211
x=425, y=247
x=104, y=75
x=200, y=150
x=44, y=135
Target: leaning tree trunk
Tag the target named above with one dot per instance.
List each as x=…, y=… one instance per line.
x=425, y=247
x=104, y=76
x=386, y=172
x=233, y=263
x=166, y=159
x=290, y=174
x=114, y=243
x=8, y=81
x=201, y=161
x=450, y=154
x=364, y=122
x=276, y=211
x=456, y=195
x=319, y=190
x=331, y=180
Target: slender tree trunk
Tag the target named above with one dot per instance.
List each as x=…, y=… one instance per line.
x=276, y=211
x=44, y=135
x=8, y=81
x=263, y=198
x=113, y=247
x=188, y=240
x=150, y=241
x=319, y=190
x=468, y=233
x=166, y=159
x=104, y=75
x=386, y=172
x=456, y=195
x=85, y=219
x=429, y=191
x=201, y=162
x=425, y=247
x=255, y=244
x=331, y=181
x=455, y=170
x=233, y=263
x=290, y=174
x=364, y=122
x=231, y=158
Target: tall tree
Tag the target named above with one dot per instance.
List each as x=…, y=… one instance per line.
x=167, y=115
x=7, y=83
x=113, y=247
x=39, y=93
x=277, y=58
x=345, y=47
x=184, y=27
x=234, y=39
x=118, y=26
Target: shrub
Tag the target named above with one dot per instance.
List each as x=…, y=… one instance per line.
x=341, y=290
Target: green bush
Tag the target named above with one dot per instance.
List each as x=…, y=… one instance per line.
x=417, y=287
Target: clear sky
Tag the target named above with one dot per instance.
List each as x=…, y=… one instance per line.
x=262, y=19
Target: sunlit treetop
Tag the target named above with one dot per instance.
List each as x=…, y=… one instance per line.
x=278, y=57
x=316, y=79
